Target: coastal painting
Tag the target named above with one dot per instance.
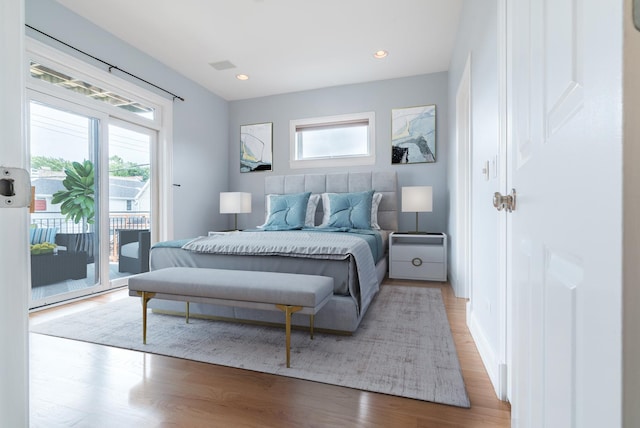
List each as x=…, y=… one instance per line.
x=256, y=147
x=413, y=134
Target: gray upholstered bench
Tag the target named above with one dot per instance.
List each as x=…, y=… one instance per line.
x=286, y=292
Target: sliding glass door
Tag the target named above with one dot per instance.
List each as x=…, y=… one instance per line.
x=100, y=156
x=84, y=239
x=64, y=234
x=130, y=201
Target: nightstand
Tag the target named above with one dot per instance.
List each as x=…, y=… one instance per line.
x=418, y=256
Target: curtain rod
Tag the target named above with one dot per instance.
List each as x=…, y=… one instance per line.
x=111, y=66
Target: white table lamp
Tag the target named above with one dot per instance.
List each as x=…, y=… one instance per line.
x=418, y=199
x=235, y=203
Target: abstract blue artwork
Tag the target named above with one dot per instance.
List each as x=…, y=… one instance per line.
x=413, y=134
x=256, y=147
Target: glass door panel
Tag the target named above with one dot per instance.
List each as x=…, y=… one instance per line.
x=130, y=201
x=63, y=236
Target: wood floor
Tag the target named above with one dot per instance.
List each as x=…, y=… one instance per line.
x=77, y=384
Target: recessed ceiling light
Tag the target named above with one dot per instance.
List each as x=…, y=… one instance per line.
x=380, y=54
x=242, y=77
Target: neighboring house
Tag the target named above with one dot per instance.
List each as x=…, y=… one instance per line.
x=125, y=194
x=128, y=194
x=45, y=187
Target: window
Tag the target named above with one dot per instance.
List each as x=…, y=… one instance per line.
x=344, y=140
x=48, y=74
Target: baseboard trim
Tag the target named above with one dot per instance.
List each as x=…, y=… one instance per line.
x=453, y=281
x=455, y=285
x=487, y=354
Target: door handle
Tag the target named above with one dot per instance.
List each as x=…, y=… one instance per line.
x=508, y=203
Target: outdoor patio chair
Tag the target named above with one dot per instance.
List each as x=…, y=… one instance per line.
x=133, y=250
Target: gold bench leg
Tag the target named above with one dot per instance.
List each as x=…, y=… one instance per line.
x=288, y=311
x=187, y=313
x=145, y=297
x=311, y=326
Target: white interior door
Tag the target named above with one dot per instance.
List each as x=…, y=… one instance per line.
x=564, y=161
x=14, y=249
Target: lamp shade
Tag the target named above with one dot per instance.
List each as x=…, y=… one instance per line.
x=417, y=199
x=235, y=202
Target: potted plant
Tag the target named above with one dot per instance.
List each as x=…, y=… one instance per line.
x=78, y=205
x=77, y=200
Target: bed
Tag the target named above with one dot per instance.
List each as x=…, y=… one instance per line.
x=357, y=261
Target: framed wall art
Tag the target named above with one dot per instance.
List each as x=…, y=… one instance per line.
x=256, y=145
x=413, y=134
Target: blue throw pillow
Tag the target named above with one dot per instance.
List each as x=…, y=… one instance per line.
x=287, y=212
x=34, y=235
x=38, y=235
x=351, y=210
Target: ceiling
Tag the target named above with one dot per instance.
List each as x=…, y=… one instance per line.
x=283, y=45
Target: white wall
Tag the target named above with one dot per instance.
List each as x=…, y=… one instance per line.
x=631, y=214
x=200, y=123
x=380, y=97
x=478, y=39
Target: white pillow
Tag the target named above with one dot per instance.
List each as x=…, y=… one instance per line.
x=375, y=203
x=310, y=217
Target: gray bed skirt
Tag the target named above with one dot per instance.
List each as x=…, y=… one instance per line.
x=339, y=314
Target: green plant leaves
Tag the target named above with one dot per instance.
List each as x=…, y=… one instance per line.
x=77, y=201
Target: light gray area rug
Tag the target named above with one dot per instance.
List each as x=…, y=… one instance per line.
x=403, y=346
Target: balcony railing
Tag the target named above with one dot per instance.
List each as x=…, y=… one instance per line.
x=117, y=220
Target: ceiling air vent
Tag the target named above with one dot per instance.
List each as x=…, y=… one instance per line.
x=222, y=65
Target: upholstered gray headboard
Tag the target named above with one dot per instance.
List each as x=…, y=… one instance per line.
x=343, y=182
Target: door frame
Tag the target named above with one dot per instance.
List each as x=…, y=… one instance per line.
x=503, y=389
x=463, y=278
x=14, y=248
